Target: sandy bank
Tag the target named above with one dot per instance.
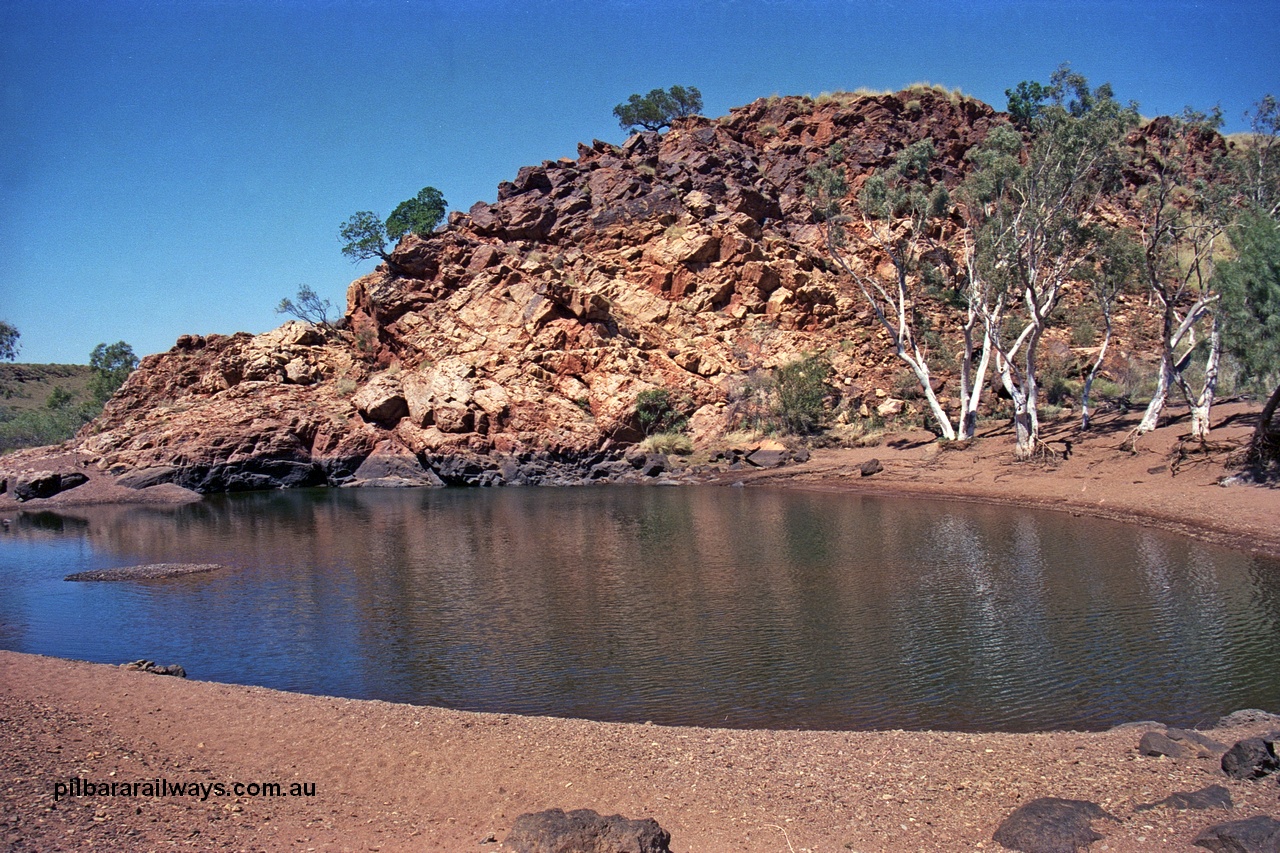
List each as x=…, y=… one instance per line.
x=398, y=777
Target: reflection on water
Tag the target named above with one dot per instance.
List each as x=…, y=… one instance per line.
x=730, y=607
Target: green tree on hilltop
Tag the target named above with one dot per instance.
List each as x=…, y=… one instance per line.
x=656, y=110
x=419, y=215
x=365, y=236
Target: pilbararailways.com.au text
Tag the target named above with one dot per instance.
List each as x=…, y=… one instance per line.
x=77, y=787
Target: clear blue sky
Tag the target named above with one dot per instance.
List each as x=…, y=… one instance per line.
x=175, y=166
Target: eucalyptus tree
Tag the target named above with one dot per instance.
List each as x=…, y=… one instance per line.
x=1250, y=282
x=1185, y=208
x=1117, y=265
x=903, y=215
x=1030, y=208
x=1250, y=287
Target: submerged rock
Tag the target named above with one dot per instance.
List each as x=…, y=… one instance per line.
x=152, y=571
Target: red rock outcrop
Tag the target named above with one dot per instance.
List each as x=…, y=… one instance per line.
x=510, y=345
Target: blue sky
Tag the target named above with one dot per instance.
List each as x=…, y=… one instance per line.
x=179, y=166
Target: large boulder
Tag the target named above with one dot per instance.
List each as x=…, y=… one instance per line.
x=30, y=485
x=392, y=466
x=382, y=401
x=1259, y=834
x=1051, y=825
x=1252, y=758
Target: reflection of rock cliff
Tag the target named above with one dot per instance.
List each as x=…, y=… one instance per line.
x=510, y=346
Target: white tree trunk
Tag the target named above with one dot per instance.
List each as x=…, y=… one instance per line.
x=972, y=381
x=1086, y=417
x=921, y=369
x=1151, y=418
x=1202, y=403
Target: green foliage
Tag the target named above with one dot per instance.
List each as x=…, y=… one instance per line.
x=749, y=398
x=111, y=366
x=1260, y=157
x=655, y=412
x=801, y=389
x=1250, y=288
x=419, y=215
x=40, y=427
x=658, y=109
x=904, y=190
x=825, y=188
x=1025, y=102
x=59, y=398
x=309, y=308
x=9, y=346
x=365, y=237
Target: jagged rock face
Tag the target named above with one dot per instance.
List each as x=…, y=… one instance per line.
x=526, y=328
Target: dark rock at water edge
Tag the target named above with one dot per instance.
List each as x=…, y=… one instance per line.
x=1212, y=797
x=654, y=464
x=1051, y=825
x=247, y=475
x=32, y=485
x=1252, y=758
x=155, y=668
x=768, y=457
x=1157, y=744
x=391, y=468
x=1259, y=834
x=585, y=831
x=871, y=466
x=1180, y=743
x=1207, y=745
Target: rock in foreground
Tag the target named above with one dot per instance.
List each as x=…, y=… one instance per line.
x=1051, y=825
x=585, y=831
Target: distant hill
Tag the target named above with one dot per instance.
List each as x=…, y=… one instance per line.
x=28, y=386
x=43, y=403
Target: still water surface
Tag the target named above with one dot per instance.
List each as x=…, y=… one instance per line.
x=703, y=606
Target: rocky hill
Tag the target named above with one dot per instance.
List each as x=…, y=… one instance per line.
x=510, y=346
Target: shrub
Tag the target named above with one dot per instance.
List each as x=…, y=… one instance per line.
x=748, y=396
x=801, y=388
x=309, y=308
x=656, y=413
x=1083, y=333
